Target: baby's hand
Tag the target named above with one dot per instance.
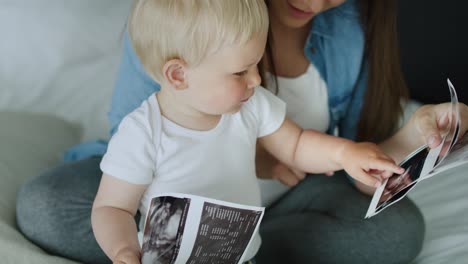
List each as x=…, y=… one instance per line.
x=366, y=163
x=127, y=256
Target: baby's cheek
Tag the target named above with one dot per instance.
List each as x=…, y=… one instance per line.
x=233, y=90
x=241, y=91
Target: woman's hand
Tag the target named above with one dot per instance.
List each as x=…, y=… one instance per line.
x=286, y=175
x=270, y=168
x=426, y=126
x=429, y=121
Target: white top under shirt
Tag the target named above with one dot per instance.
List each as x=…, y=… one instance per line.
x=306, y=100
x=219, y=163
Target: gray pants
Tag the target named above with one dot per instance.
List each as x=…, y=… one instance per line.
x=319, y=221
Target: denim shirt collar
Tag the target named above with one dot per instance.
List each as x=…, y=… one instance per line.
x=347, y=10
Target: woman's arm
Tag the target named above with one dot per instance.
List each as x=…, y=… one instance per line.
x=112, y=217
x=424, y=127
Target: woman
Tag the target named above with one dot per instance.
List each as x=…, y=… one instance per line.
x=332, y=61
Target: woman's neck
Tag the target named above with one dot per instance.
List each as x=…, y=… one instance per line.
x=292, y=63
x=184, y=115
x=289, y=33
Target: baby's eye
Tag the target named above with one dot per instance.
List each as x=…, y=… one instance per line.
x=242, y=73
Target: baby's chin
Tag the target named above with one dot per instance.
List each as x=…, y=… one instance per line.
x=231, y=111
x=234, y=111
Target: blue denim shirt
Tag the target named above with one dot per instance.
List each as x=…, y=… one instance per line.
x=335, y=46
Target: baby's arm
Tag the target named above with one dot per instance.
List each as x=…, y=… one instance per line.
x=113, y=222
x=316, y=152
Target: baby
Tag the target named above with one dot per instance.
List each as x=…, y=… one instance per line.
x=198, y=134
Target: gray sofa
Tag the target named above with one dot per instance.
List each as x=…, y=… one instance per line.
x=57, y=67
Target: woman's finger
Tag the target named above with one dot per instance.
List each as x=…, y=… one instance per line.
x=463, y=110
x=300, y=174
x=289, y=179
x=284, y=175
x=427, y=124
x=443, y=122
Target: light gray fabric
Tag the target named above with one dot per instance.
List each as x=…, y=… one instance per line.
x=29, y=143
x=65, y=194
x=321, y=221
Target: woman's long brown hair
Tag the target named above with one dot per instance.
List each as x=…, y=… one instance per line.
x=381, y=109
x=386, y=86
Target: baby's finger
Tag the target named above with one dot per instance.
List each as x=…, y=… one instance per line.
x=387, y=174
x=367, y=179
x=388, y=166
x=376, y=173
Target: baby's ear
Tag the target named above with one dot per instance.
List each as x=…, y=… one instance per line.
x=174, y=73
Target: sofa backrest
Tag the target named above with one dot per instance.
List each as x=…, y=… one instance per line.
x=60, y=57
x=434, y=46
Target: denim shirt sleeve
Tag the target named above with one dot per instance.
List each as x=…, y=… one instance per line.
x=348, y=125
x=336, y=47
x=133, y=85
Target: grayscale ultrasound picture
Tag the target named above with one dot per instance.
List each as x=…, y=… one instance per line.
x=399, y=185
x=164, y=230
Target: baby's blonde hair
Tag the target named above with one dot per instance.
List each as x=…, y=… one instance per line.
x=161, y=30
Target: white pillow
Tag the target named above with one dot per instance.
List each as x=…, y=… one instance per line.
x=61, y=57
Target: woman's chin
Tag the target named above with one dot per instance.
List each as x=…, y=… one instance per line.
x=296, y=23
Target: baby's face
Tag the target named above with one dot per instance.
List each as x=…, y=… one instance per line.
x=224, y=81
